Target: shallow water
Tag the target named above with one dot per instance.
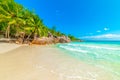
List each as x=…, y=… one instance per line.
x=104, y=55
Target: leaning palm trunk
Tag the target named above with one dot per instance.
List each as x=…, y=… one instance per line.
x=28, y=36
x=35, y=31
x=7, y=34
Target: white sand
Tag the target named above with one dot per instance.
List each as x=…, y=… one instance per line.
x=46, y=63
x=5, y=47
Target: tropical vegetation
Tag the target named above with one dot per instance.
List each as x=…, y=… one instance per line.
x=15, y=19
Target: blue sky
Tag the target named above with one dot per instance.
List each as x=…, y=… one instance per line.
x=86, y=19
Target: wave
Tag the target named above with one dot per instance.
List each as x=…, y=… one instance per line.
x=105, y=56
x=93, y=51
x=73, y=49
x=108, y=47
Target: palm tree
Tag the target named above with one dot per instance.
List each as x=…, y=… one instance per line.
x=14, y=18
x=33, y=23
x=11, y=14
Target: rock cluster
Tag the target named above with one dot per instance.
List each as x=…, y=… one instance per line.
x=51, y=40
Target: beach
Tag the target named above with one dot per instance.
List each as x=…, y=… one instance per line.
x=6, y=47
x=45, y=63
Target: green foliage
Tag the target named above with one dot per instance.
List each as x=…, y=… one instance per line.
x=73, y=38
x=14, y=18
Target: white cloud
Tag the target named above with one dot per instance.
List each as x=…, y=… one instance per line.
x=106, y=29
x=98, y=31
x=103, y=37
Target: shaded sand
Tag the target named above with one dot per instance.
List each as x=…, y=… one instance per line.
x=46, y=63
x=5, y=47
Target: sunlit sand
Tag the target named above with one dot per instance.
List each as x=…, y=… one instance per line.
x=45, y=63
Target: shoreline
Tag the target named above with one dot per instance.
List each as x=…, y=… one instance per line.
x=6, y=47
x=46, y=63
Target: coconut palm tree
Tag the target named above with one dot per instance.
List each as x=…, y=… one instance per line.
x=14, y=18
x=10, y=13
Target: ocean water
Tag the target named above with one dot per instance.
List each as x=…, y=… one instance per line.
x=104, y=55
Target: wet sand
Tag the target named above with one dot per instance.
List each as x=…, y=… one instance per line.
x=46, y=63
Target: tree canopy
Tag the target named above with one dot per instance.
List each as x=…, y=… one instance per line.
x=14, y=18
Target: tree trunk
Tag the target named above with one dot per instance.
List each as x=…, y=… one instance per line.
x=35, y=30
x=7, y=34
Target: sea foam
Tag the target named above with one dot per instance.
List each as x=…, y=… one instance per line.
x=105, y=55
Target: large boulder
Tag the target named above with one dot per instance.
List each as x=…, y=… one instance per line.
x=51, y=40
x=39, y=41
x=64, y=39
x=43, y=41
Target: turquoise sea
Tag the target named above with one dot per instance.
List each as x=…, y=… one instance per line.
x=104, y=55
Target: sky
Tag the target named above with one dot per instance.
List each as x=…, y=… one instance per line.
x=85, y=19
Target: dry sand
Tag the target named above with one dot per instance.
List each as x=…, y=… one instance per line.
x=45, y=63
x=21, y=64
x=5, y=47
